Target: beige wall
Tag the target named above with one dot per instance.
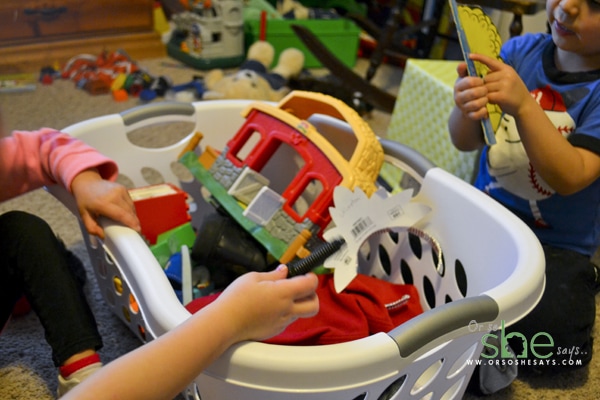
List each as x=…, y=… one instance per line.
x=531, y=23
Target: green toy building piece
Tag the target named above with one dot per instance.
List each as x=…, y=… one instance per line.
x=274, y=246
x=170, y=242
x=161, y=252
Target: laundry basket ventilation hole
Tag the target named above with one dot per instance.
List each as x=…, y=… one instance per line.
x=126, y=313
x=415, y=245
x=160, y=135
x=453, y=391
x=384, y=258
x=101, y=267
x=429, y=292
x=406, y=272
x=394, y=236
x=427, y=377
x=391, y=390
x=110, y=297
x=152, y=176
x=461, y=277
x=461, y=361
x=142, y=332
x=108, y=261
x=133, y=304
x=125, y=181
x=193, y=393
x=441, y=270
x=181, y=172
x=118, y=285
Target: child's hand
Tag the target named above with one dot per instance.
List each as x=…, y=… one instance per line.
x=98, y=197
x=503, y=86
x=470, y=94
x=262, y=305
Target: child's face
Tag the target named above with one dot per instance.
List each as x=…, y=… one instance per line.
x=575, y=25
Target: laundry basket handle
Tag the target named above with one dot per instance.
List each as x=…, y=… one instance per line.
x=406, y=158
x=154, y=110
x=436, y=323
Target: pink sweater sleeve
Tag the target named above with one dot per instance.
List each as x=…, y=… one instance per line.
x=30, y=160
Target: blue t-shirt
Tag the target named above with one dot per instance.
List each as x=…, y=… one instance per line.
x=572, y=102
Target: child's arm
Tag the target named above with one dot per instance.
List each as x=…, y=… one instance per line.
x=30, y=160
x=566, y=168
x=255, y=306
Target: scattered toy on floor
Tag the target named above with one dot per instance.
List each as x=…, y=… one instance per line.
x=207, y=35
x=254, y=80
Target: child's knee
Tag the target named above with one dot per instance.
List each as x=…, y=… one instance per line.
x=23, y=225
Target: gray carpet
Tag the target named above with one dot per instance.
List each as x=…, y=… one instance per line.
x=26, y=370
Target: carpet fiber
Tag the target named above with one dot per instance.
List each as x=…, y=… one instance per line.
x=26, y=370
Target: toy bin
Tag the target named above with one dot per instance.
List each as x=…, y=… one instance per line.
x=339, y=36
x=479, y=266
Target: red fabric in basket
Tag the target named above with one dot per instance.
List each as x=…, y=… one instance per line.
x=359, y=311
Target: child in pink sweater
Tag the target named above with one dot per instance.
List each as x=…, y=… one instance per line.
x=35, y=263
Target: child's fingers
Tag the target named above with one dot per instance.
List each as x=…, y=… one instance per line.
x=303, y=285
x=307, y=306
x=91, y=225
x=478, y=114
x=461, y=70
x=123, y=214
x=492, y=63
x=281, y=272
x=302, y=290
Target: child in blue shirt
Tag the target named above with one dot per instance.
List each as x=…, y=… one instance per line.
x=545, y=166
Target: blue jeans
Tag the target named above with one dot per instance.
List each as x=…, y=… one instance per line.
x=36, y=264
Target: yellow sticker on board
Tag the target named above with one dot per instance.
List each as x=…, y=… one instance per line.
x=478, y=34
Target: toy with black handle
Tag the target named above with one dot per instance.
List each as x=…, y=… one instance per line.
x=314, y=259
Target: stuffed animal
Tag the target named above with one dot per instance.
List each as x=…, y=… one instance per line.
x=254, y=80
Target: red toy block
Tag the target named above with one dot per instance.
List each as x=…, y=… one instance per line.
x=160, y=208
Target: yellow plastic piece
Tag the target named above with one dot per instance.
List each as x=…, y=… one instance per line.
x=296, y=246
x=161, y=25
x=192, y=143
x=118, y=285
x=118, y=82
x=208, y=157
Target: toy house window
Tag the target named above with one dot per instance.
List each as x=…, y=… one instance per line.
x=282, y=166
x=311, y=192
x=251, y=142
x=275, y=160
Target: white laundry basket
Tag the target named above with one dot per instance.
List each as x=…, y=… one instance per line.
x=492, y=271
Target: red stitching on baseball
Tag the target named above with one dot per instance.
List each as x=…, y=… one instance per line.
x=535, y=183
